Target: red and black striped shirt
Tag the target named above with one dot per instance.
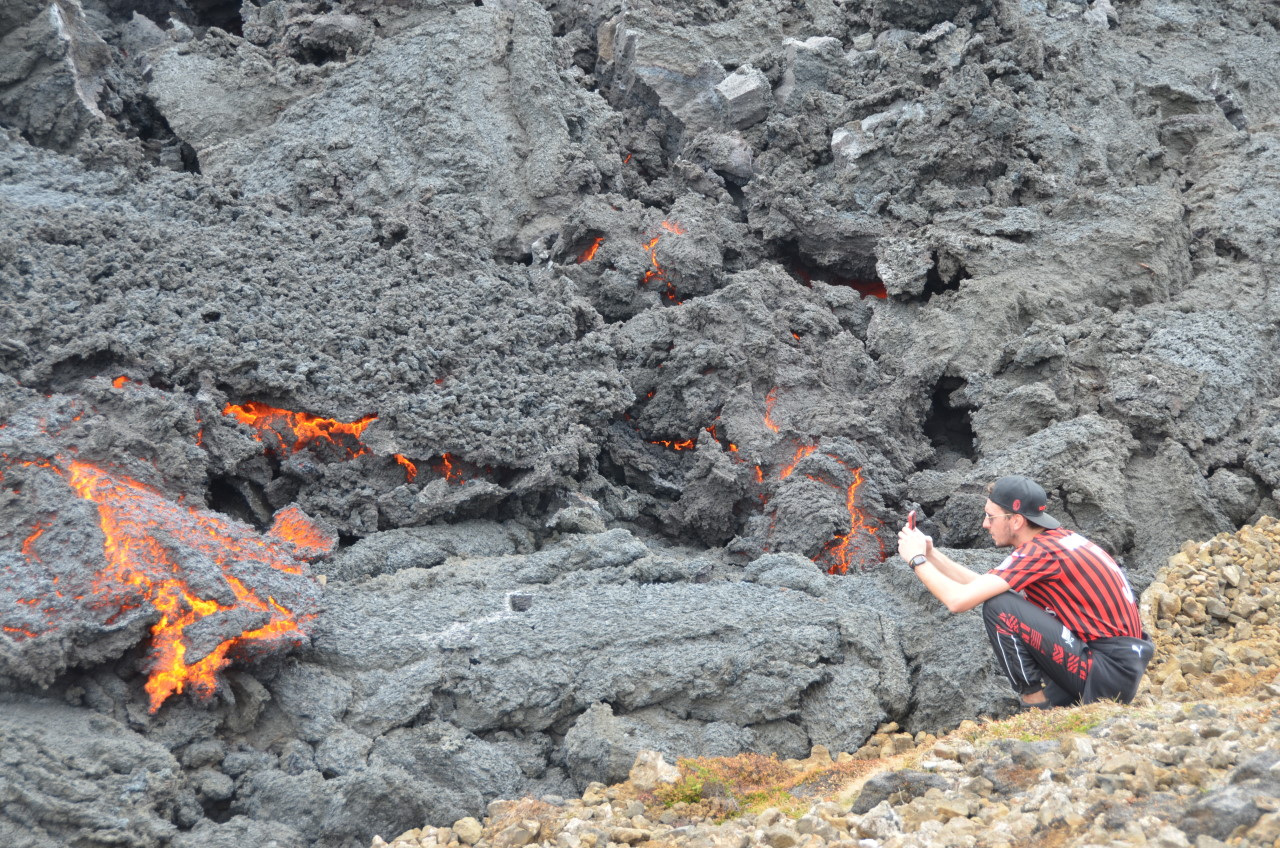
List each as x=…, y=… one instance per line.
x=1075, y=580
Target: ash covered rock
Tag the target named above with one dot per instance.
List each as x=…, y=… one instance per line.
x=501, y=158
x=53, y=73
x=52, y=752
x=915, y=245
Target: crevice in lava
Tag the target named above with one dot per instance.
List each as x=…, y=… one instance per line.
x=587, y=245
x=945, y=275
x=857, y=274
x=217, y=811
x=223, y=14
x=228, y=497
x=142, y=119
x=948, y=426
x=1225, y=249
x=66, y=374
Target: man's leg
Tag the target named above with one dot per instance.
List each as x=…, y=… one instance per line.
x=1044, y=661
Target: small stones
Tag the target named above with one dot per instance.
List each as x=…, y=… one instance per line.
x=651, y=770
x=468, y=830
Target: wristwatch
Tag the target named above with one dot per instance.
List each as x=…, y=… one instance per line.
x=917, y=561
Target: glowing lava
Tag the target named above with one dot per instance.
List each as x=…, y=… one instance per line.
x=801, y=453
x=149, y=540
x=686, y=444
x=692, y=444
x=285, y=431
x=410, y=470
x=657, y=272
x=865, y=288
x=446, y=470
x=590, y=253
x=859, y=529
x=769, y=401
x=293, y=431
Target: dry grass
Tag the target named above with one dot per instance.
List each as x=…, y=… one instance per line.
x=725, y=787
x=1037, y=725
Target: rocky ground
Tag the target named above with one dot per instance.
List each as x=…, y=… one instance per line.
x=1195, y=761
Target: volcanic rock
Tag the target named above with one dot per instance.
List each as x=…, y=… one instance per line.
x=659, y=317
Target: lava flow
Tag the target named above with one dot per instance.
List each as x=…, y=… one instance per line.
x=657, y=272
x=860, y=532
x=289, y=432
x=293, y=431
x=859, y=545
x=590, y=253
x=222, y=590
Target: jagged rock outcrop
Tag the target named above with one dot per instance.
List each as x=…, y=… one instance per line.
x=617, y=329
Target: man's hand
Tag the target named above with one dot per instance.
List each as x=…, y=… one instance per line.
x=911, y=542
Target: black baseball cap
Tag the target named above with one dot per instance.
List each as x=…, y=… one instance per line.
x=1025, y=497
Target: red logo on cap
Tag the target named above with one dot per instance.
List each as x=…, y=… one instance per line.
x=1042, y=507
x=1017, y=504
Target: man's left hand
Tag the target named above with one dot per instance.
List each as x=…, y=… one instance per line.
x=911, y=543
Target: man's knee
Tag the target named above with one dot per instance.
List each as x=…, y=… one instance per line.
x=1004, y=603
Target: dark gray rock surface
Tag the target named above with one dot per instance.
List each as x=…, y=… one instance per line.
x=835, y=253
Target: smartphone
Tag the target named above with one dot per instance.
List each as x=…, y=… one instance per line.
x=911, y=520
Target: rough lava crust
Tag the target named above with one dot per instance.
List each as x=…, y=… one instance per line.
x=633, y=333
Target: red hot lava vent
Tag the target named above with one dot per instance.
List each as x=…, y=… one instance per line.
x=211, y=589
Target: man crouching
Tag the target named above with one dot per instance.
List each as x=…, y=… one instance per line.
x=1059, y=612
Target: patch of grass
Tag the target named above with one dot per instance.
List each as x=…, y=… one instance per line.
x=750, y=783
x=1040, y=725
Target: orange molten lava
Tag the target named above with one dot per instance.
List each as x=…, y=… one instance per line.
x=769, y=401
x=839, y=547
x=294, y=431
x=119, y=382
x=446, y=470
x=134, y=518
x=730, y=445
x=410, y=470
x=657, y=272
x=686, y=444
x=308, y=539
x=795, y=460
x=29, y=542
x=590, y=253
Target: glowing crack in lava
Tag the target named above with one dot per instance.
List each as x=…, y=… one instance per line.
x=286, y=431
x=801, y=453
x=859, y=545
x=294, y=431
x=692, y=444
x=864, y=288
x=410, y=470
x=657, y=272
x=860, y=532
x=683, y=444
x=590, y=253
x=222, y=590
x=446, y=470
x=769, y=401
